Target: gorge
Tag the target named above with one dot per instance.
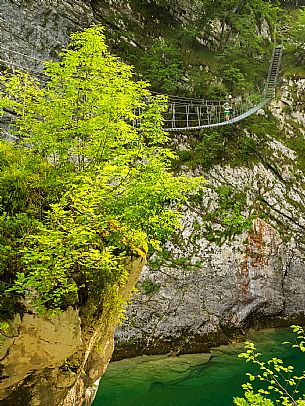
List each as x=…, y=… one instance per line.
x=238, y=259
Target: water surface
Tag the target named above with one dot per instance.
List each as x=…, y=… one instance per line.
x=190, y=380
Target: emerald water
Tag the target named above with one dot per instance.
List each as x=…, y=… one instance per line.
x=190, y=380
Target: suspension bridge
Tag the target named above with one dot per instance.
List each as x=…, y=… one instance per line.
x=184, y=114
x=192, y=114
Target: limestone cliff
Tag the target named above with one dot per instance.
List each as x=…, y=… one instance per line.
x=55, y=361
x=31, y=29
x=32, y=32
x=239, y=259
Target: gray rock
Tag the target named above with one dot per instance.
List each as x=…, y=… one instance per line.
x=221, y=287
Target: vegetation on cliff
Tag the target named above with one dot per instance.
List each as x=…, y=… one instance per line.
x=84, y=188
x=80, y=147
x=89, y=183
x=206, y=50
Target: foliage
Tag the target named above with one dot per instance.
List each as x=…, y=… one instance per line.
x=281, y=383
x=297, y=29
x=297, y=35
x=215, y=146
x=242, y=53
x=234, y=78
x=188, y=58
x=253, y=399
x=162, y=66
x=229, y=215
x=4, y=329
x=212, y=148
x=231, y=204
x=86, y=188
x=149, y=287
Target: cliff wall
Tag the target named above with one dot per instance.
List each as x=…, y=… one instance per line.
x=239, y=259
x=39, y=29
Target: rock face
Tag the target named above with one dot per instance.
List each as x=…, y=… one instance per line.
x=34, y=31
x=54, y=361
x=239, y=259
x=38, y=343
x=37, y=30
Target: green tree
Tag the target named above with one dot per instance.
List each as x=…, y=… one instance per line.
x=298, y=28
x=243, y=54
x=297, y=34
x=280, y=382
x=234, y=78
x=89, y=185
x=162, y=66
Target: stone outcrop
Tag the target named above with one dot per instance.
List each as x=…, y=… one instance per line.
x=36, y=343
x=37, y=30
x=55, y=361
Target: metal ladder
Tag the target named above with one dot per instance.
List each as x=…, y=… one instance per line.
x=273, y=72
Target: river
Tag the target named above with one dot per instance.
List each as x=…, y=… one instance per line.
x=191, y=380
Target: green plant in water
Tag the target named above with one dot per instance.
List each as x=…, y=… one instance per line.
x=280, y=382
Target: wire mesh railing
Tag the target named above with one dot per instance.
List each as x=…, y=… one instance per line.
x=202, y=114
